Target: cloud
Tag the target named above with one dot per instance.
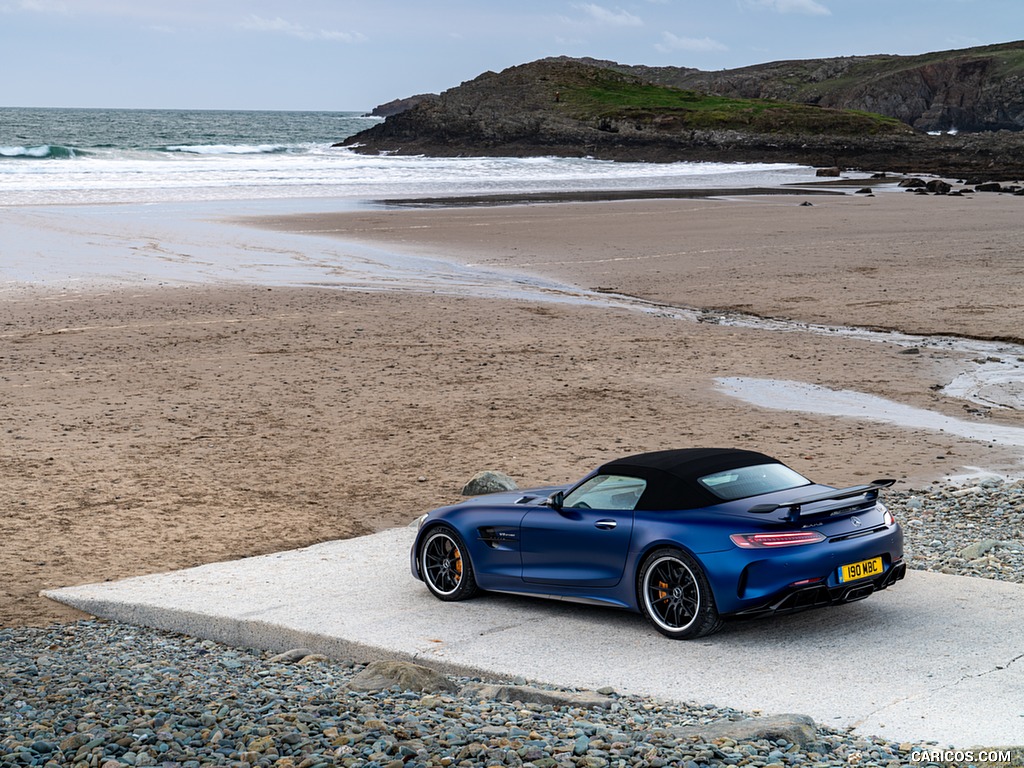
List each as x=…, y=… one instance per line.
x=672, y=42
x=963, y=41
x=44, y=6
x=809, y=7
x=616, y=18
x=282, y=27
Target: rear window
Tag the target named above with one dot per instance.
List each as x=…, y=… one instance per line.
x=743, y=482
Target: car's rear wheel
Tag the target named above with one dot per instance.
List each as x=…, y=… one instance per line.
x=445, y=565
x=675, y=596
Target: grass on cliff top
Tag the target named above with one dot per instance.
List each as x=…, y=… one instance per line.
x=612, y=97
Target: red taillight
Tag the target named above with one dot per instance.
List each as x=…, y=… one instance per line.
x=805, y=582
x=888, y=518
x=773, y=540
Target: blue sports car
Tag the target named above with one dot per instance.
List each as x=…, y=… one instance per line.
x=687, y=537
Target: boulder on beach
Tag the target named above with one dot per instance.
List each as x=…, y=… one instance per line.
x=530, y=695
x=488, y=481
x=381, y=675
x=796, y=729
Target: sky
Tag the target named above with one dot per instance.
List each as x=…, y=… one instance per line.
x=340, y=55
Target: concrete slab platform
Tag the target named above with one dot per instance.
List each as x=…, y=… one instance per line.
x=935, y=658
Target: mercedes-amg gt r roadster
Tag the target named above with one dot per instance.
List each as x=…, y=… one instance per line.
x=687, y=537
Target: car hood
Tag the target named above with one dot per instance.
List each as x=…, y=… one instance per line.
x=528, y=497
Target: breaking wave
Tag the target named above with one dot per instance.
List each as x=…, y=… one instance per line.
x=232, y=149
x=41, y=152
x=57, y=152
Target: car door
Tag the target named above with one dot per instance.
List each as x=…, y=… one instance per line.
x=586, y=540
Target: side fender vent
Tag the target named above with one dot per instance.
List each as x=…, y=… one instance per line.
x=498, y=538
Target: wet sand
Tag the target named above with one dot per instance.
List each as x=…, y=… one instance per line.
x=921, y=264
x=152, y=429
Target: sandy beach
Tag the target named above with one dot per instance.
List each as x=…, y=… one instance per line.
x=893, y=260
x=149, y=429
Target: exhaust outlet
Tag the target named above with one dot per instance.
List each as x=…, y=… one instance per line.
x=858, y=593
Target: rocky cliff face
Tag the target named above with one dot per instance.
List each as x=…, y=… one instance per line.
x=975, y=89
x=397, y=106
x=967, y=94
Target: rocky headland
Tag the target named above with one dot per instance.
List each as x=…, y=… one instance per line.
x=868, y=113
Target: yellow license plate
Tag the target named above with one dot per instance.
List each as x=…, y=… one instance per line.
x=861, y=570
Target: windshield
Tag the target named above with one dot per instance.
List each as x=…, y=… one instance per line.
x=743, y=482
x=607, y=492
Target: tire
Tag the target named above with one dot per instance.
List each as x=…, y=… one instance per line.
x=445, y=565
x=675, y=596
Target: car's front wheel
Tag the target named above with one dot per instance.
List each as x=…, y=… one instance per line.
x=675, y=596
x=445, y=565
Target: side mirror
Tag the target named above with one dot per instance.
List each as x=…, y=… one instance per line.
x=555, y=500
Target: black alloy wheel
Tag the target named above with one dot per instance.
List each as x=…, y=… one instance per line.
x=445, y=565
x=675, y=596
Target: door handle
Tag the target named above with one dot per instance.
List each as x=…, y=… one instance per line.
x=605, y=525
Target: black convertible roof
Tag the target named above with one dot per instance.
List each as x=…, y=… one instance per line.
x=672, y=475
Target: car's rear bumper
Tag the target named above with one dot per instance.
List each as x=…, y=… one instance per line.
x=821, y=595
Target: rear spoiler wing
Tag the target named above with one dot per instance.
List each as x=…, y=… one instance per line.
x=869, y=492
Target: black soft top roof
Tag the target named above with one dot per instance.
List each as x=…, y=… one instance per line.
x=672, y=475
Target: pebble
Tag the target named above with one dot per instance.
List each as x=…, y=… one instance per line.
x=976, y=530
x=100, y=694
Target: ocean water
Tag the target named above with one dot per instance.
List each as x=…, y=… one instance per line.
x=74, y=156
